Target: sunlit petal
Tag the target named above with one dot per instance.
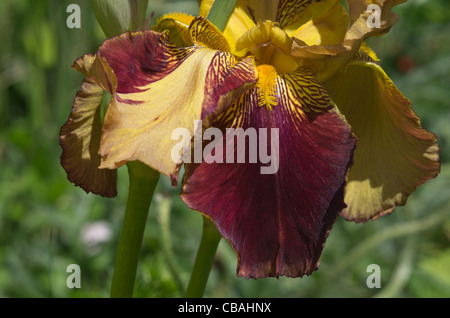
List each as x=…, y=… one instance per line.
x=299, y=12
x=178, y=26
x=395, y=154
x=261, y=10
x=327, y=60
x=285, y=12
x=327, y=28
x=80, y=138
x=265, y=32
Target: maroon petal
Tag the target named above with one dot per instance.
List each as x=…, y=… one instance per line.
x=142, y=58
x=162, y=88
x=278, y=222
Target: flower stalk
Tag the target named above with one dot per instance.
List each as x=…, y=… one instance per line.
x=204, y=259
x=143, y=181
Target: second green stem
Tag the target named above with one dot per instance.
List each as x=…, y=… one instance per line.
x=204, y=259
x=143, y=181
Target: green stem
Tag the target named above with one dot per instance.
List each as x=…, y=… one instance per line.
x=143, y=181
x=166, y=242
x=204, y=259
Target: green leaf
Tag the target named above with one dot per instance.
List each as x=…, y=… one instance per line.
x=220, y=13
x=433, y=276
x=118, y=16
x=106, y=98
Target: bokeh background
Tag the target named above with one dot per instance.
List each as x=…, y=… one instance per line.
x=46, y=223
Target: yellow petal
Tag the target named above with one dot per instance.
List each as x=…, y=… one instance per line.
x=327, y=60
x=270, y=45
x=240, y=22
x=299, y=12
x=178, y=26
x=367, y=50
x=394, y=154
x=285, y=12
x=327, y=28
x=205, y=7
x=263, y=9
x=263, y=33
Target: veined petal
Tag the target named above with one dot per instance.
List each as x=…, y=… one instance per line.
x=277, y=222
x=301, y=11
x=162, y=88
x=284, y=12
x=80, y=141
x=138, y=59
x=258, y=10
x=327, y=60
x=395, y=154
x=304, y=87
x=203, y=32
x=261, y=10
x=240, y=22
x=365, y=53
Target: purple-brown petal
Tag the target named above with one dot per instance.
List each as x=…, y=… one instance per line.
x=277, y=222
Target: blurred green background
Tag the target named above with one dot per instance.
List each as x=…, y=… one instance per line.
x=46, y=223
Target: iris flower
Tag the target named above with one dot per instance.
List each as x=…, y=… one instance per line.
x=349, y=144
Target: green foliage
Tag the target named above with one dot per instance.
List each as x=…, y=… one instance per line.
x=44, y=219
x=118, y=16
x=220, y=13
